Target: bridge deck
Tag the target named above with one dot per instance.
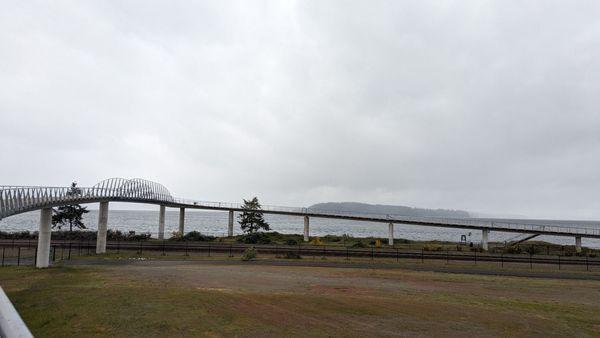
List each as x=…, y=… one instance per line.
x=472, y=224
x=15, y=200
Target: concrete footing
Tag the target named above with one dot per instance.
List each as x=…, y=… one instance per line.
x=306, y=228
x=578, y=244
x=45, y=232
x=181, y=221
x=230, y=224
x=484, y=239
x=161, y=222
x=102, y=228
x=391, y=234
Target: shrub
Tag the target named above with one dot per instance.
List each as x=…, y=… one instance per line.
x=291, y=241
x=359, y=245
x=317, y=241
x=513, y=249
x=132, y=236
x=292, y=255
x=255, y=238
x=532, y=250
x=249, y=254
x=77, y=235
x=18, y=235
x=197, y=236
x=117, y=235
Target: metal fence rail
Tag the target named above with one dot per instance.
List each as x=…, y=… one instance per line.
x=23, y=253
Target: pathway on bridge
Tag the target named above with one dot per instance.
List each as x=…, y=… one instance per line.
x=19, y=199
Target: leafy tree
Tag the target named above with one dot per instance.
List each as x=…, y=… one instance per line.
x=69, y=214
x=251, y=219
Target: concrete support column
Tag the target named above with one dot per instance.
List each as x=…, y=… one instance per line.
x=484, y=239
x=306, y=228
x=230, y=224
x=45, y=232
x=102, y=228
x=391, y=234
x=181, y=221
x=578, y=244
x=161, y=222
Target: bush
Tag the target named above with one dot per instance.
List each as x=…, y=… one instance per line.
x=532, y=250
x=117, y=235
x=196, y=236
x=317, y=241
x=18, y=235
x=291, y=241
x=292, y=255
x=513, y=249
x=255, y=238
x=332, y=238
x=76, y=235
x=249, y=254
x=359, y=245
x=79, y=235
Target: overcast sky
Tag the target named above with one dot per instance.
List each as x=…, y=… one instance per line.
x=488, y=106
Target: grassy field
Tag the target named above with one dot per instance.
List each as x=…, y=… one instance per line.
x=156, y=298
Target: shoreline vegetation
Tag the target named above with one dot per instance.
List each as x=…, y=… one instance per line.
x=275, y=238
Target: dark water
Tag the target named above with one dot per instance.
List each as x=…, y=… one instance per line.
x=215, y=223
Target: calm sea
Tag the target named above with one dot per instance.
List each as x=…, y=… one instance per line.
x=215, y=223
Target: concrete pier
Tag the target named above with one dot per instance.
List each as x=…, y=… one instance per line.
x=181, y=221
x=578, y=244
x=161, y=222
x=102, y=228
x=45, y=231
x=230, y=224
x=484, y=239
x=391, y=234
x=306, y=228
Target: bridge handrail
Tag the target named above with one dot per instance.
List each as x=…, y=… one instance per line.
x=398, y=218
x=12, y=198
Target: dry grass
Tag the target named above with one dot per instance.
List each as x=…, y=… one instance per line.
x=177, y=299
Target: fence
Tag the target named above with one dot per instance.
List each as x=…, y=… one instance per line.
x=24, y=252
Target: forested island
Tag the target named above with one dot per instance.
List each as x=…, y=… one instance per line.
x=389, y=209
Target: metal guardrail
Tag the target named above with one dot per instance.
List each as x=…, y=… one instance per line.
x=11, y=324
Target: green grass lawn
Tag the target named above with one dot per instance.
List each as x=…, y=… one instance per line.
x=181, y=299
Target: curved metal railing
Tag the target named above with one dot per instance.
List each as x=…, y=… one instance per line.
x=15, y=200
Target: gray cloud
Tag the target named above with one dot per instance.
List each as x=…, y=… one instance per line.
x=489, y=106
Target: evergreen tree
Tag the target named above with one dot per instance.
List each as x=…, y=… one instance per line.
x=251, y=219
x=69, y=214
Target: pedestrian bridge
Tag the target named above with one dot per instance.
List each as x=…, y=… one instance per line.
x=20, y=199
